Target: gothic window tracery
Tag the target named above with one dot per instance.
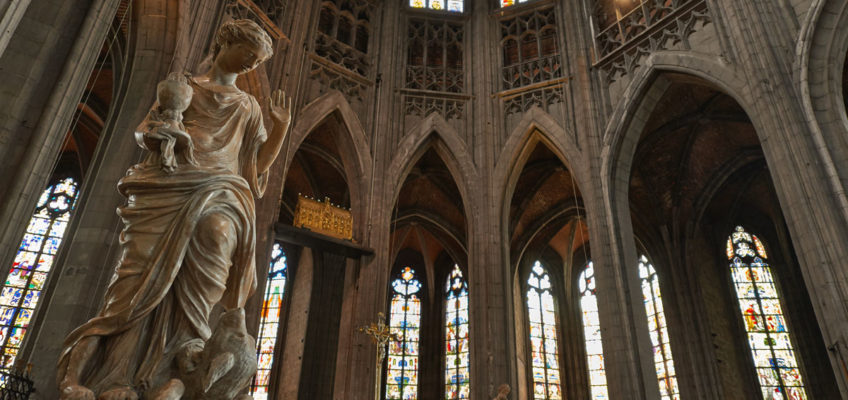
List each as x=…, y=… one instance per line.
x=530, y=51
x=340, y=59
x=434, y=55
x=25, y=283
x=438, y=5
x=658, y=330
x=457, y=374
x=541, y=315
x=405, y=322
x=592, y=333
x=762, y=313
x=269, y=324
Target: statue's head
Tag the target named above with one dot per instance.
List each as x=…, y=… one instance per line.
x=240, y=46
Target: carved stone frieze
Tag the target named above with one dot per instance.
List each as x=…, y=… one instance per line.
x=542, y=97
x=332, y=77
x=650, y=26
x=424, y=105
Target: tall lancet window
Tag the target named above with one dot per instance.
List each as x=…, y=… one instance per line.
x=762, y=313
x=272, y=304
x=541, y=313
x=405, y=322
x=32, y=263
x=592, y=333
x=456, y=337
x=658, y=330
x=452, y=5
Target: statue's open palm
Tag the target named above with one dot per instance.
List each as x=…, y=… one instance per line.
x=280, y=107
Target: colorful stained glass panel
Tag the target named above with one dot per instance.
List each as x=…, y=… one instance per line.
x=269, y=324
x=652, y=297
x=404, y=321
x=541, y=316
x=592, y=332
x=762, y=315
x=457, y=383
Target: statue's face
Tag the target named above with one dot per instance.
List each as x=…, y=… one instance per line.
x=241, y=57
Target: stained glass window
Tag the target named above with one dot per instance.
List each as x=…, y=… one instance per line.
x=32, y=263
x=452, y=5
x=592, y=333
x=268, y=327
x=507, y=3
x=456, y=337
x=658, y=330
x=405, y=322
x=543, y=335
x=759, y=302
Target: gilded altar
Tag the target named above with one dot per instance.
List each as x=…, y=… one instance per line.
x=323, y=217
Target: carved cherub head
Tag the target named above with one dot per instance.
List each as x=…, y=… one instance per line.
x=240, y=46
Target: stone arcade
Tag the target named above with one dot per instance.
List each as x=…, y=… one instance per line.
x=550, y=199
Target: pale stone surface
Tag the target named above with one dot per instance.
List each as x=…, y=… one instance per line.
x=188, y=240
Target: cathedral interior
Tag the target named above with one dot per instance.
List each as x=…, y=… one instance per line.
x=550, y=199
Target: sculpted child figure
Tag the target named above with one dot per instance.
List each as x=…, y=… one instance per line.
x=188, y=237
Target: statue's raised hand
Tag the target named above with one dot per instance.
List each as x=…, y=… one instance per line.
x=280, y=107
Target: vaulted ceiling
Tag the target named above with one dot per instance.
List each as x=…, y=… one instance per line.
x=544, y=206
x=430, y=205
x=698, y=148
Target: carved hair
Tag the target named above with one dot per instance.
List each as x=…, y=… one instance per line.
x=242, y=30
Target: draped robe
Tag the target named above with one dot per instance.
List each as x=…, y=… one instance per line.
x=170, y=274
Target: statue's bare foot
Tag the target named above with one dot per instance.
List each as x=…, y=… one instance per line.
x=121, y=393
x=76, y=392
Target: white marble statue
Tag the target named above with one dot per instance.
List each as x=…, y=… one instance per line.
x=189, y=231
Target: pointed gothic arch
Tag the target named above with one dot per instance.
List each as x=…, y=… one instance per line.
x=633, y=125
x=352, y=146
x=821, y=58
x=434, y=132
x=535, y=126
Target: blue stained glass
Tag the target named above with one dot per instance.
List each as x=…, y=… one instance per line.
x=38, y=226
x=24, y=315
x=51, y=245
x=404, y=318
x=6, y=314
x=31, y=298
x=58, y=228
x=21, y=292
x=10, y=296
x=32, y=242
